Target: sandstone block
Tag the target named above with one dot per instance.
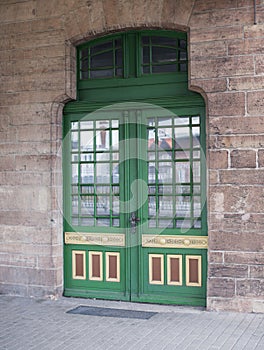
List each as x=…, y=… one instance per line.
x=243, y=158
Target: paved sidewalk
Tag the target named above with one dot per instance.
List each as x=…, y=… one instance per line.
x=44, y=324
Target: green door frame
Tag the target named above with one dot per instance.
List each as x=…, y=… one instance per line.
x=168, y=91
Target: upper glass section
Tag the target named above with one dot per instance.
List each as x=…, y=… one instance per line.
x=161, y=54
x=102, y=60
x=133, y=54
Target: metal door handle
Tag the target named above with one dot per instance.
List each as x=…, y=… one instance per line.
x=133, y=222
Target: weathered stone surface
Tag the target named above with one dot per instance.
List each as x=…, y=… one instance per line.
x=243, y=159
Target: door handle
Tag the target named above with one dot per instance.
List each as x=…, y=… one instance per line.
x=133, y=222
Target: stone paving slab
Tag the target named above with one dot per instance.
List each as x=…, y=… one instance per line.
x=27, y=324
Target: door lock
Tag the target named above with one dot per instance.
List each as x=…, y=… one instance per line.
x=133, y=222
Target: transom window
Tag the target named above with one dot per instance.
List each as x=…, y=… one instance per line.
x=133, y=54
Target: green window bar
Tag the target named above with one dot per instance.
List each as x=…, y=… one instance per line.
x=174, y=166
x=95, y=175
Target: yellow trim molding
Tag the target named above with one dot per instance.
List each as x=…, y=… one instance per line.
x=156, y=241
x=105, y=239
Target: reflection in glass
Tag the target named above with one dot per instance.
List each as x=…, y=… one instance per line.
x=103, y=173
x=74, y=141
x=115, y=205
x=86, y=124
x=183, y=206
x=86, y=140
x=166, y=207
x=165, y=223
x=75, y=204
x=74, y=173
x=196, y=172
x=182, y=170
x=87, y=173
x=181, y=121
x=102, y=205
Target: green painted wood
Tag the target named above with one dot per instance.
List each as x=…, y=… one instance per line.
x=144, y=97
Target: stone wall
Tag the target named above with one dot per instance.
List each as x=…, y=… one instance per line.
x=37, y=65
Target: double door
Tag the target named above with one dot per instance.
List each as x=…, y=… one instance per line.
x=134, y=205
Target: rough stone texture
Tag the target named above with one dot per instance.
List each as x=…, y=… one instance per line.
x=37, y=65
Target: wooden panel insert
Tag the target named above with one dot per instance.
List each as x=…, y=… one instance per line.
x=78, y=265
x=112, y=267
x=95, y=266
x=156, y=269
x=193, y=271
x=174, y=270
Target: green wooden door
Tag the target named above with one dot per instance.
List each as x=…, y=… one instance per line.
x=134, y=188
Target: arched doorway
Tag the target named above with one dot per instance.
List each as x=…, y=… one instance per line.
x=134, y=173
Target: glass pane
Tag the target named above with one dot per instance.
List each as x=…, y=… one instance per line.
x=87, y=189
x=183, y=189
x=197, y=206
x=115, y=140
x=101, y=47
x=103, y=73
x=184, y=155
x=165, y=224
x=151, y=172
x=146, y=69
x=74, y=204
x=183, y=206
x=87, y=205
x=102, y=205
x=166, y=68
x=87, y=157
x=184, y=223
x=115, y=205
x=86, y=140
x=115, y=222
x=145, y=40
x=102, y=173
x=181, y=121
x=196, y=171
x=115, y=123
x=196, y=136
x=196, y=189
x=151, y=155
x=165, y=172
x=74, y=141
x=119, y=57
x=196, y=120
x=74, y=173
x=74, y=189
x=87, y=221
x=74, y=125
x=152, y=223
x=146, y=56
x=163, y=55
x=182, y=44
x=165, y=121
x=103, y=222
x=86, y=125
x=102, y=189
x=182, y=170
x=115, y=173
x=75, y=221
x=166, y=207
x=87, y=173
x=102, y=139
x=182, y=55
x=165, y=189
x=163, y=40
x=152, y=206
x=104, y=59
